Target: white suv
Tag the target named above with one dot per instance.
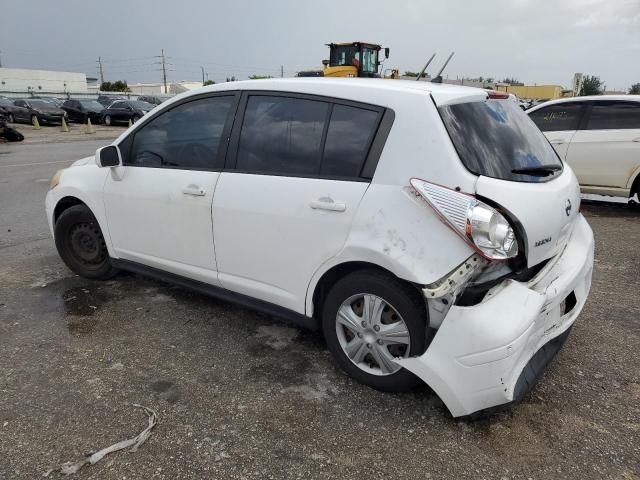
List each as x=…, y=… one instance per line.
x=430, y=231
x=599, y=137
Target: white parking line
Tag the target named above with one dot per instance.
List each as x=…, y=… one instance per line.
x=37, y=163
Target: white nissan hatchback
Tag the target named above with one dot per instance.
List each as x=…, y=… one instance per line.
x=430, y=231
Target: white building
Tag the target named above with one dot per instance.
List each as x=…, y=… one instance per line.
x=24, y=80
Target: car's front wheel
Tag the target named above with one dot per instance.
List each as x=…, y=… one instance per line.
x=107, y=120
x=81, y=244
x=369, y=318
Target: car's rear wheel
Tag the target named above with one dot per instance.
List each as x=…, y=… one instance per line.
x=368, y=319
x=10, y=118
x=81, y=245
x=107, y=120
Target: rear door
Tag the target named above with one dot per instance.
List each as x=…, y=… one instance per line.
x=158, y=203
x=293, y=186
x=607, y=151
x=559, y=122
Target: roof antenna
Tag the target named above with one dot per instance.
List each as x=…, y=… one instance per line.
x=438, y=77
x=425, y=67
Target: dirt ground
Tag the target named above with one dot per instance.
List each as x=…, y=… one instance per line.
x=241, y=395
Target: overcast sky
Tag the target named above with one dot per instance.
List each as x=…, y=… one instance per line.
x=536, y=41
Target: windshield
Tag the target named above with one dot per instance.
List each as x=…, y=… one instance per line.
x=91, y=104
x=141, y=105
x=41, y=104
x=495, y=137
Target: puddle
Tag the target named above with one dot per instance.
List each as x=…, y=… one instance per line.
x=84, y=301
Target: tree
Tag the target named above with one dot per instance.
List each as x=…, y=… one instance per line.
x=259, y=77
x=512, y=81
x=411, y=74
x=117, y=86
x=208, y=82
x=591, y=85
x=635, y=89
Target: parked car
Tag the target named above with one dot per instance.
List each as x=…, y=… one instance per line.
x=150, y=99
x=430, y=231
x=599, y=137
x=125, y=110
x=82, y=109
x=107, y=100
x=5, y=106
x=26, y=110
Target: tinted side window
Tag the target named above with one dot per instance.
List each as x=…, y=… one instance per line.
x=614, y=115
x=282, y=135
x=563, y=116
x=349, y=137
x=187, y=136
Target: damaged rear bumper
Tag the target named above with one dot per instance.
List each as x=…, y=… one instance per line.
x=491, y=353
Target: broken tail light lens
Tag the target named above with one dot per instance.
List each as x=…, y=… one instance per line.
x=481, y=225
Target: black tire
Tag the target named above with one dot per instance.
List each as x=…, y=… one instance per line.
x=107, y=120
x=404, y=299
x=10, y=118
x=81, y=245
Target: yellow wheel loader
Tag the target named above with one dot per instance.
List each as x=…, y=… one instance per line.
x=354, y=59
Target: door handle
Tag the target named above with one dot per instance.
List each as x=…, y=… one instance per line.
x=556, y=141
x=194, y=190
x=327, y=203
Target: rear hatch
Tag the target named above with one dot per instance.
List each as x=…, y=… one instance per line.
x=518, y=170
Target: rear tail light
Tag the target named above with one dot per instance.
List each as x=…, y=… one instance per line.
x=497, y=95
x=479, y=224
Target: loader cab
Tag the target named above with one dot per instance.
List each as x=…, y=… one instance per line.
x=355, y=59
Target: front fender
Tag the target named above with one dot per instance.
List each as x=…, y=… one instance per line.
x=86, y=183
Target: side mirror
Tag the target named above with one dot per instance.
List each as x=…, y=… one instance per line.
x=386, y=52
x=108, y=156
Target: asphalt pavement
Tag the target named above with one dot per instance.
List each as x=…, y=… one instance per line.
x=241, y=395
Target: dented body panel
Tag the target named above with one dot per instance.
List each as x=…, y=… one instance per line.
x=479, y=352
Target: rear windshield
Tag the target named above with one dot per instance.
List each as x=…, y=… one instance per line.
x=495, y=137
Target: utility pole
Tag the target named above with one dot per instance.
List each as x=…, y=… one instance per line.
x=100, y=69
x=202, y=68
x=281, y=71
x=164, y=69
x=0, y=58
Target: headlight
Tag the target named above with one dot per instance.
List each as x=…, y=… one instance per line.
x=481, y=225
x=55, y=180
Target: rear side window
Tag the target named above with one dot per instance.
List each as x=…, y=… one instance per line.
x=305, y=137
x=187, y=136
x=495, y=137
x=559, y=117
x=607, y=115
x=282, y=135
x=349, y=136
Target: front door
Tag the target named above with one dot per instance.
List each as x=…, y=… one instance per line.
x=559, y=123
x=288, y=204
x=158, y=203
x=607, y=151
